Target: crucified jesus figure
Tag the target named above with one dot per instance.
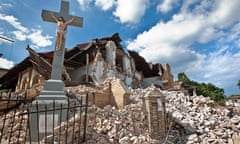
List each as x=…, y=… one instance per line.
x=61, y=29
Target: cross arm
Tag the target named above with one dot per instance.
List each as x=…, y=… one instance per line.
x=47, y=16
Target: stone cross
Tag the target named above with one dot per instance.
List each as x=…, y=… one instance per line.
x=59, y=55
x=53, y=95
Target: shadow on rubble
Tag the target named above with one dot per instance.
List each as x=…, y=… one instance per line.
x=178, y=132
x=174, y=137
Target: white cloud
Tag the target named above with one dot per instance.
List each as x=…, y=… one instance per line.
x=166, y=5
x=6, y=64
x=84, y=4
x=5, y=5
x=38, y=39
x=186, y=5
x=19, y=35
x=225, y=13
x=105, y=4
x=130, y=11
x=219, y=67
x=171, y=41
x=14, y=22
x=22, y=33
x=231, y=37
x=234, y=35
x=126, y=11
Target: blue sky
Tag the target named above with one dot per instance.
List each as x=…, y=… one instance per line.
x=198, y=37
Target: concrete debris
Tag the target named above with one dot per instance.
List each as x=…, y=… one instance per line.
x=14, y=126
x=203, y=122
x=191, y=120
x=196, y=121
x=127, y=125
x=111, y=92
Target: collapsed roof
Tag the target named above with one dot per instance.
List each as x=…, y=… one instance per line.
x=76, y=57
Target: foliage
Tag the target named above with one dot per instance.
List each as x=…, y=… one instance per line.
x=207, y=90
x=238, y=84
x=183, y=78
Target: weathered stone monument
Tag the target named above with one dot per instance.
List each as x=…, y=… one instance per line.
x=44, y=117
x=154, y=103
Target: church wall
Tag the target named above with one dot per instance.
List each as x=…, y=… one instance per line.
x=80, y=73
x=152, y=80
x=24, y=79
x=27, y=78
x=138, y=75
x=128, y=80
x=34, y=75
x=111, y=53
x=127, y=69
x=167, y=76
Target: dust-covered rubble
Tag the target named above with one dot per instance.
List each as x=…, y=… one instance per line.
x=202, y=119
x=191, y=120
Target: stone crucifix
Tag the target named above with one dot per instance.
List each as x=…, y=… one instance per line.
x=53, y=95
x=63, y=19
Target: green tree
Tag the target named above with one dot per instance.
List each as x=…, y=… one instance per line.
x=207, y=90
x=183, y=78
x=238, y=84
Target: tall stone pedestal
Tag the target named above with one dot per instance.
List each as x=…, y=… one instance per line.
x=48, y=110
x=154, y=103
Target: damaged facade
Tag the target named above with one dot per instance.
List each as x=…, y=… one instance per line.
x=187, y=89
x=233, y=100
x=90, y=62
x=118, y=114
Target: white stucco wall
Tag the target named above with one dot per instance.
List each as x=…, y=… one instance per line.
x=98, y=73
x=79, y=73
x=111, y=53
x=152, y=80
x=127, y=65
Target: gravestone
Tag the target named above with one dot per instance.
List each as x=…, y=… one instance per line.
x=49, y=108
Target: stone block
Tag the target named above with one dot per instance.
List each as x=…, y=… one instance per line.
x=120, y=93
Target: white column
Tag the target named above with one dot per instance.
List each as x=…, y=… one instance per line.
x=111, y=53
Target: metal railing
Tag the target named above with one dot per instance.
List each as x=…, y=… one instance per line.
x=15, y=121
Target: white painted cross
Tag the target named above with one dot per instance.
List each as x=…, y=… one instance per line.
x=59, y=55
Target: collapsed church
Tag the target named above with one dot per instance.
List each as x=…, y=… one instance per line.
x=91, y=62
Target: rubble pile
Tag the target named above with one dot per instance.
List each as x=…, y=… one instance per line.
x=124, y=126
x=192, y=120
x=201, y=120
x=108, y=125
x=83, y=89
x=13, y=126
